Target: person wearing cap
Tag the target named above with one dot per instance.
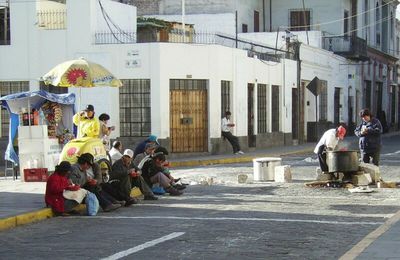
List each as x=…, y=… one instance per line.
x=124, y=177
x=152, y=139
x=152, y=172
x=226, y=127
x=369, y=133
x=149, y=150
x=115, y=152
x=87, y=174
x=105, y=130
x=88, y=125
x=328, y=142
x=55, y=186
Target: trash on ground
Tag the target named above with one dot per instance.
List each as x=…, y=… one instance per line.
x=360, y=189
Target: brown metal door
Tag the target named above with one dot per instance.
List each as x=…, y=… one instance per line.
x=188, y=121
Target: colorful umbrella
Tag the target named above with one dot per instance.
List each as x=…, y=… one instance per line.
x=80, y=73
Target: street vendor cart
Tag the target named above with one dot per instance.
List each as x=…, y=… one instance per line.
x=40, y=124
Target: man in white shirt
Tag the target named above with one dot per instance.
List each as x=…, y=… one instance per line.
x=226, y=127
x=328, y=142
x=115, y=152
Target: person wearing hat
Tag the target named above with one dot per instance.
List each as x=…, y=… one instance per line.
x=87, y=174
x=328, y=142
x=369, y=133
x=149, y=150
x=124, y=176
x=105, y=130
x=115, y=152
x=55, y=186
x=140, y=148
x=88, y=125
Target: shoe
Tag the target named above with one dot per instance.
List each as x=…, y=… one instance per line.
x=120, y=202
x=176, y=180
x=240, y=152
x=174, y=192
x=111, y=207
x=150, y=197
x=179, y=186
x=131, y=201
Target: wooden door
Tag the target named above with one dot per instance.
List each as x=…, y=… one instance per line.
x=188, y=121
x=250, y=116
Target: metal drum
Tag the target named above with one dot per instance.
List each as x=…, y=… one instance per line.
x=342, y=161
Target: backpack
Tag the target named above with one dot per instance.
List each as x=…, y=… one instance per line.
x=92, y=204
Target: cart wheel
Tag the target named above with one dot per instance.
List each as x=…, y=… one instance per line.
x=105, y=167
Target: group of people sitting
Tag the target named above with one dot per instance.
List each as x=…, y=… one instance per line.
x=146, y=168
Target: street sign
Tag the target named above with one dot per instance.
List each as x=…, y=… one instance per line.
x=315, y=86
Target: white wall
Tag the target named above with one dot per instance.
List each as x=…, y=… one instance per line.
x=124, y=16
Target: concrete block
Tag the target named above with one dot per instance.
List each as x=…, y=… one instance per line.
x=361, y=180
x=372, y=170
x=283, y=173
x=242, y=178
x=319, y=176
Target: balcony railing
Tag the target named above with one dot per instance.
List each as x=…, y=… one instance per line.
x=52, y=19
x=350, y=47
x=254, y=50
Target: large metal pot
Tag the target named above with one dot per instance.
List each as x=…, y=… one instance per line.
x=342, y=161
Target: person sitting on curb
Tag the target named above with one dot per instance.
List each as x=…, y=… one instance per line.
x=115, y=152
x=86, y=173
x=152, y=174
x=140, y=148
x=149, y=150
x=55, y=186
x=124, y=176
x=226, y=127
x=328, y=142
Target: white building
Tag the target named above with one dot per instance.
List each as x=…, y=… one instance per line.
x=175, y=91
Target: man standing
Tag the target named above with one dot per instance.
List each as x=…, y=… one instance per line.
x=115, y=152
x=226, y=127
x=369, y=132
x=328, y=142
x=88, y=125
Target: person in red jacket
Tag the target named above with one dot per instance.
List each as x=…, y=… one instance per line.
x=56, y=184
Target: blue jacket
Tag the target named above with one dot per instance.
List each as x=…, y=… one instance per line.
x=371, y=141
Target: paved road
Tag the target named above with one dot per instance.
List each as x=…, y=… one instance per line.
x=223, y=221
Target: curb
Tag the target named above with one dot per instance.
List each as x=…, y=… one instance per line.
x=25, y=218
x=230, y=160
x=45, y=213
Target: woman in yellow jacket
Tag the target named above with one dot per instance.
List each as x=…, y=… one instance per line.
x=88, y=125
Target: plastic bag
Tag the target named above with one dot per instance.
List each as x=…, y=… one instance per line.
x=92, y=204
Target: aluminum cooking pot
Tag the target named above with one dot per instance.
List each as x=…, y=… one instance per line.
x=342, y=161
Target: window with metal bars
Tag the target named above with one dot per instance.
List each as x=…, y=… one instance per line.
x=6, y=88
x=135, y=108
x=188, y=84
x=323, y=101
x=225, y=97
x=261, y=108
x=300, y=20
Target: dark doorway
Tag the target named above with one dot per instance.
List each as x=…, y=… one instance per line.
x=336, y=107
x=275, y=109
x=250, y=115
x=295, y=114
x=256, y=21
x=378, y=97
x=367, y=95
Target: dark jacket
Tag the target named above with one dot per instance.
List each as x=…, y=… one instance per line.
x=371, y=141
x=150, y=169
